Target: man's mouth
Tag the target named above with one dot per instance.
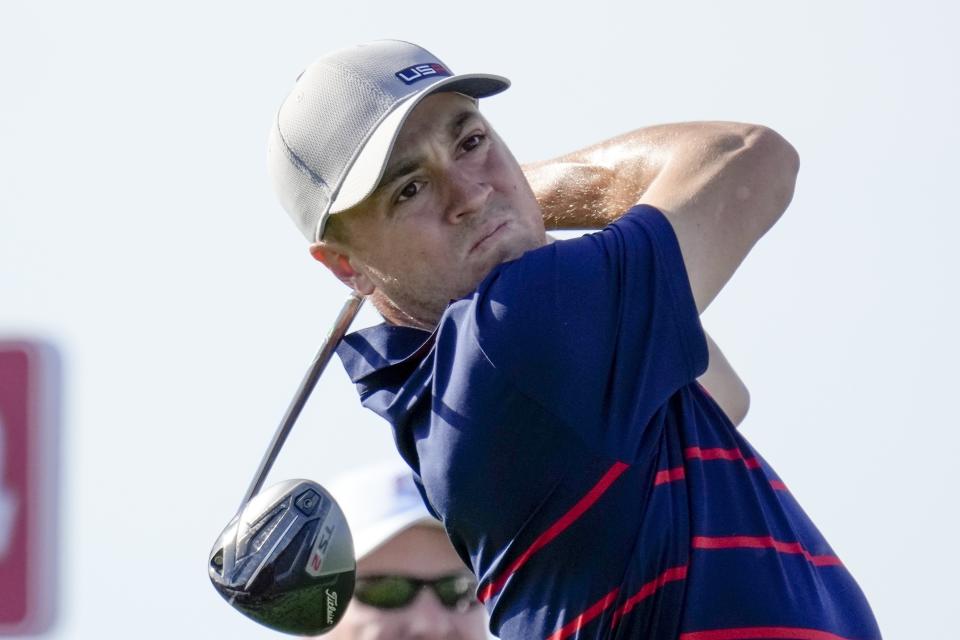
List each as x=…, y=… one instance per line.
x=488, y=237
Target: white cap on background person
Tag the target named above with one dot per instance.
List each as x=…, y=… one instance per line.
x=411, y=584
x=379, y=501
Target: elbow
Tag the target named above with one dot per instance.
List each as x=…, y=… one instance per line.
x=770, y=142
x=779, y=152
x=764, y=171
x=776, y=163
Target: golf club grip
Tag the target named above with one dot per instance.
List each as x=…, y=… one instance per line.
x=339, y=329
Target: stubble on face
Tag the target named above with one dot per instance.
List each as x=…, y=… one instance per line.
x=469, y=209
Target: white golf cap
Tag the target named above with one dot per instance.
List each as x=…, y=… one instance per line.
x=379, y=502
x=333, y=135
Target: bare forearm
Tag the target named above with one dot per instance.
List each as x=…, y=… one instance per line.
x=724, y=385
x=721, y=185
x=580, y=195
x=592, y=187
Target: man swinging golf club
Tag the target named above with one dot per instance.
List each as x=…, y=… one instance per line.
x=565, y=415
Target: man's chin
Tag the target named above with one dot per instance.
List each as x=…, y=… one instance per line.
x=519, y=246
x=496, y=257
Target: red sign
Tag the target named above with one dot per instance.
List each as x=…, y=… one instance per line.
x=29, y=404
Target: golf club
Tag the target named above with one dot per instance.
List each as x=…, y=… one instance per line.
x=286, y=558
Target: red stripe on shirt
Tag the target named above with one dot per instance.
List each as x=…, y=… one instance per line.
x=577, y=623
x=762, y=542
x=721, y=454
x=556, y=528
x=778, y=485
x=669, y=475
x=747, y=633
x=670, y=575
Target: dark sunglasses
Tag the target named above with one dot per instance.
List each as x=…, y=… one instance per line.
x=456, y=592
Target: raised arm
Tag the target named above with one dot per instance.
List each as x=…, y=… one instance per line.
x=721, y=185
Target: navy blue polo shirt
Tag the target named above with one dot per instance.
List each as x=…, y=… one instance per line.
x=555, y=426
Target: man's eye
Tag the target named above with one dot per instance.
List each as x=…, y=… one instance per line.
x=473, y=141
x=409, y=191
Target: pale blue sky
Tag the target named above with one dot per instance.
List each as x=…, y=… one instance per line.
x=138, y=231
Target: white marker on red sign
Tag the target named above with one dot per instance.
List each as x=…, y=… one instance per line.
x=29, y=416
x=8, y=500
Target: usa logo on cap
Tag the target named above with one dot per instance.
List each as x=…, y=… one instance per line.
x=420, y=71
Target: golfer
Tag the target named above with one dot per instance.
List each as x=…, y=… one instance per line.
x=565, y=415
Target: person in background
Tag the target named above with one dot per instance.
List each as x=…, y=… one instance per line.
x=410, y=582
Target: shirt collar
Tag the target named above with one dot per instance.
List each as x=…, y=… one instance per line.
x=381, y=347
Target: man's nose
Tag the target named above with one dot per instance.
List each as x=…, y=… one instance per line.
x=430, y=620
x=467, y=193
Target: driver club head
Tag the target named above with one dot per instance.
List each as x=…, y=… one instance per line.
x=286, y=560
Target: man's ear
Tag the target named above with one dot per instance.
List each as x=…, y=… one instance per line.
x=339, y=264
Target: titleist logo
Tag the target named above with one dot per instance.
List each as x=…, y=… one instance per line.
x=331, y=605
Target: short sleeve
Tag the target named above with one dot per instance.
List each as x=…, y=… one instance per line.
x=601, y=330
